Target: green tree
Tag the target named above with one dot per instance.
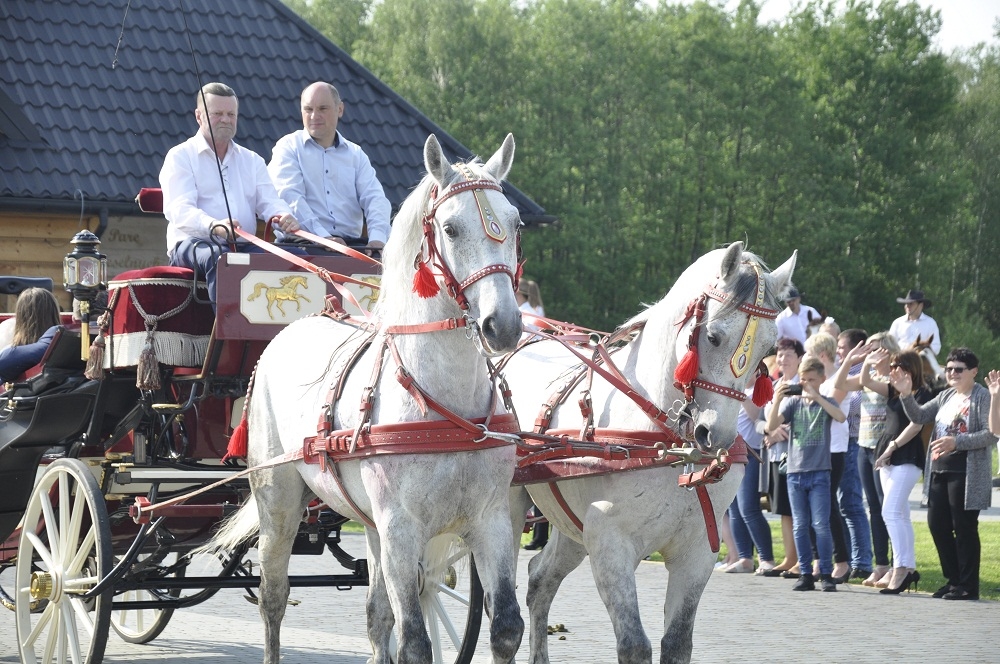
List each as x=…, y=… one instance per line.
x=343, y=22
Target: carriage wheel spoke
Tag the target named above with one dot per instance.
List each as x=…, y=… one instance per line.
x=65, y=501
x=434, y=633
x=51, y=527
x=71, y=533
x=76, y=564
x=454, y=594
x=43, y=620
x=42, y=551
x=71, y=627
x=449, y=626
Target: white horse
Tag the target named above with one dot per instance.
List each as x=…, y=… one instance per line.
x=409, y=497
x=626, y=516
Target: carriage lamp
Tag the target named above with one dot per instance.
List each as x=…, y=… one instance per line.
x=85, y=275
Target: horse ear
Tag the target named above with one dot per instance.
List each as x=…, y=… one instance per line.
x=730, y=266
x=499, y=164
x=435, y=162
x=781, y=278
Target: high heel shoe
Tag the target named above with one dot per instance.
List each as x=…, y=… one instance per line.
x=911, y=579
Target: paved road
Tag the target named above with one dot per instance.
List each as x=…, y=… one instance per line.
x=742, y=619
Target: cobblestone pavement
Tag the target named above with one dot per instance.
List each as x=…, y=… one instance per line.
x=743, y=618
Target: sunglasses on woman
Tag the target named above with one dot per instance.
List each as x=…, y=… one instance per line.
x=955, y=370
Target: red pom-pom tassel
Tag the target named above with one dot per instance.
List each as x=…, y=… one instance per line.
x=238, y=441
x=424, y=283
x=687, y=370
x=763, y=389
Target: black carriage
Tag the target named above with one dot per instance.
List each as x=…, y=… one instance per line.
x=148, y=422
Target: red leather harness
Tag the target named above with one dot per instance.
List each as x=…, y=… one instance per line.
x=614, y=450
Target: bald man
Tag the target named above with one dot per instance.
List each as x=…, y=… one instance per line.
x=327, y=180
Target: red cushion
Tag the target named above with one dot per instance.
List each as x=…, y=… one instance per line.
x=150, y=199
x=157, y=272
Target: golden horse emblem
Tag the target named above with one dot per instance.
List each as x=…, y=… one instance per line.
x=281, y=294
x=371, y=299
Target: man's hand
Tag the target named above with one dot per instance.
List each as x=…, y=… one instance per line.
x=286, y=223
x=221, y=227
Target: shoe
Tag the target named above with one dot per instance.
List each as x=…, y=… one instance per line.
x=772, y=573
x=789, y=574
x=942, y=591
x=960, y=593
x=764, y=568
x=827, y=584
x=805, y=582
x=740, y=567
x=876, y=576
x=911, y=579
x=534, y=546
x=858, y=573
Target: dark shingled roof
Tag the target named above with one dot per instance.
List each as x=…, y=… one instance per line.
x=74, y=116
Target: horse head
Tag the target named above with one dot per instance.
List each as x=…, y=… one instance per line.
x=723, y=335
x=454, y=248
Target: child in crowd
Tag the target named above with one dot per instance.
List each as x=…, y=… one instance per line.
x=808, y=469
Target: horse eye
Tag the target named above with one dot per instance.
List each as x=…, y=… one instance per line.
x=714, y=339
x=450, y=230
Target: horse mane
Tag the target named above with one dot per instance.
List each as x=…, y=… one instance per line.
x=744, y=290
x=406, y=238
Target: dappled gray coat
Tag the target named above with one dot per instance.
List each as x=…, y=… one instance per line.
x=978, y=443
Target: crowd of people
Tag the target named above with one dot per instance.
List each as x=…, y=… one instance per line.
x=857, y=414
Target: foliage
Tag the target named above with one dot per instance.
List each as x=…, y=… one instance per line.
x=657, y=132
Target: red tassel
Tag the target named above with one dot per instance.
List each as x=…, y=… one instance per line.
x=238, y=441
x=763, y=390
x=424, y=283
x=687, y=370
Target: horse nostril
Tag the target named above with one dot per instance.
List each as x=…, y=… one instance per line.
x=703, y=437
x=489, y=327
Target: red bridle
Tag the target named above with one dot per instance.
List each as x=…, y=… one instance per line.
x=686, y=373
x=424, y=281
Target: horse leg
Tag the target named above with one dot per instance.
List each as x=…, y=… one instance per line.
x=400, y=558
x=279, y=523
x=496, y=569
x=377, y=607
x=613, y=562
x=688, y=574
x=546, y=571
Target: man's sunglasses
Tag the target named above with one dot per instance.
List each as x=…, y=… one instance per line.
x=956, y=370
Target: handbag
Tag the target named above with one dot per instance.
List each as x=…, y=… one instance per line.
x=783, y=464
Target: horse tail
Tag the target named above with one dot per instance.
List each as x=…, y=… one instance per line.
x=235, y=530
x=256, y=291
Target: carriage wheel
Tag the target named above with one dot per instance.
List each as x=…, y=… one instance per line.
x=60, y=560
x=142, y=625
x=451, y=599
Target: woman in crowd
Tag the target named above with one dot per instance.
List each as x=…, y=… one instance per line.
x=748, y=525
x=36, y=321
x=871, y=381
x=900, y=462
x=790, y=352
x=958, y=468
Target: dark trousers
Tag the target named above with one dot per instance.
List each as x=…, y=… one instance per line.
x=872, y=484
x=955, y=530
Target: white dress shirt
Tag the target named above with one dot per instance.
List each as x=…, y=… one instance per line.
x=793, y=325
x=906, y=331
x=332, y=191
x=192, y=191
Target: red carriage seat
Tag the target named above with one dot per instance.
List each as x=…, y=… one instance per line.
x=157, y=305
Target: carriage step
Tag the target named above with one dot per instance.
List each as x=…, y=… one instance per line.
x=255, y=601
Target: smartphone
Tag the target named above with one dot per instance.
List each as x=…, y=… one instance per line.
x=793, y=390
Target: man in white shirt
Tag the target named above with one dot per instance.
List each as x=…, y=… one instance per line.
x=328, y=181
x=200, y=206
x=915, y=323
x=793, y=322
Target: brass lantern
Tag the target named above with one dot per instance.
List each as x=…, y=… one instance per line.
x=85, y=275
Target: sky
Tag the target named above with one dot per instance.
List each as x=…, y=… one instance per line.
x=964, y=23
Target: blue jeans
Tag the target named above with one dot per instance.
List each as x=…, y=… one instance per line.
x=853, y=509
x=809, y=493
x=747, y=522
x=872, y=484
